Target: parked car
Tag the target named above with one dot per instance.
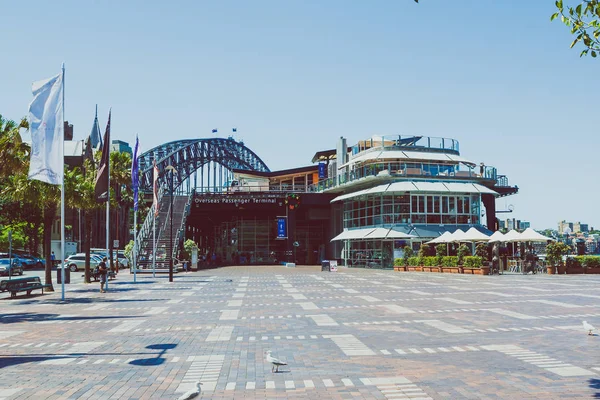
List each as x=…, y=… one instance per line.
x=7, y=269
x=30, y=261
x=76, y=262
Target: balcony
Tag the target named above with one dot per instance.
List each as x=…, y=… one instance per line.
x=398, y=142
x=385, y=171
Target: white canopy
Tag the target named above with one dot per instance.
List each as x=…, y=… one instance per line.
x=512, y=236
x=497, y=237
x=456, y=236
x=371, y=233
x=353, y=234
x=443, y=238
x=529, y=235
x=473, y=235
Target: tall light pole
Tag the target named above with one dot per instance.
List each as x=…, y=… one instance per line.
x=172, y=170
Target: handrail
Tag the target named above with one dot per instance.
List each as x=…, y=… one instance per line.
x=146, y=228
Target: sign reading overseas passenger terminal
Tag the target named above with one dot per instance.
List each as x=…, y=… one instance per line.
x=238, y=201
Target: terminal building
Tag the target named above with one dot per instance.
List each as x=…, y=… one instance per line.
x=359, y=203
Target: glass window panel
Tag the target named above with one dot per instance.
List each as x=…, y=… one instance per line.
x=452, y=204
x=445, y=204
x=429, y=204
x=436, y=204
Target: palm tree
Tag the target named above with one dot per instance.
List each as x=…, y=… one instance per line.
x=14, y=152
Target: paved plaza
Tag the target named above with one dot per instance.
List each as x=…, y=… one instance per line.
x=352, y=334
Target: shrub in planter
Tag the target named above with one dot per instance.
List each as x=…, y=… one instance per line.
x=590, y=261
x=413, y=261
x=440, y=252
x=398, y=262
x=483, y=250
x=554, y=253
x=430, y=261
x=461, y=253
x=473, y=262
x=450, y=261
x=408, y=253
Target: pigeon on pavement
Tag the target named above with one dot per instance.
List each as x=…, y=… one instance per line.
x=276, y=362
x=589, y=328
x=191, y=393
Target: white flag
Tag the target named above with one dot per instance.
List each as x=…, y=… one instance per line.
x=155, y=189
x=47, y=131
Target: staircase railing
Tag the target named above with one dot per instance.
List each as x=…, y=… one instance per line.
x=181, y=231
x=146, y=229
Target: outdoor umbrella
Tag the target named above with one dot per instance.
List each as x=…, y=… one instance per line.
x=529, y=235
x=443, y=238
x=497, y=237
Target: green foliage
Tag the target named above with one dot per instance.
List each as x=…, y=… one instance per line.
x=584, y=22
x=188, y=245
x=129, y=251
x=450, y=261
x=483, y=250
x=430, y=261
x=462, y=252
x=554, y=253
x=18, y=238
x=399, y=262
x=473, y=262
x=414, y=261
x=408, y=253
x=424, y=250
x=586, y=261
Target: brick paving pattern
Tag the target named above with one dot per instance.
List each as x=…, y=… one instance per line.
x=354, y=334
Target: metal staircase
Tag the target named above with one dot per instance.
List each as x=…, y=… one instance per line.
x=143, y=245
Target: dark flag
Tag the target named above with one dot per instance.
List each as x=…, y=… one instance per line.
x=235, y=129
x=102, y=178
x=214, y=131
x=135, y=174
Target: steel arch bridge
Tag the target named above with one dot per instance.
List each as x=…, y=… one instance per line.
x=189, y=155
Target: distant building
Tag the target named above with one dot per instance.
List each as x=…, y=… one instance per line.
x=501, y=224
x=120, y=147
x=524, y=225
x=563, y=225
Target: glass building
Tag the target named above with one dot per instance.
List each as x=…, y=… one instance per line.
x=394, y=191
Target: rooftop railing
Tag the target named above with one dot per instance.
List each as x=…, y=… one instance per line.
x=426, y=143
x=413, y=170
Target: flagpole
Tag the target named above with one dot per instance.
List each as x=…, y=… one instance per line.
x=134, y=246
x=62, y=190
x=154, y=243
x=108, y=257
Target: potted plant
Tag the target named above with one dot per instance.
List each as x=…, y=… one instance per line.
x=440, y=252
x=554, y=257
x=461, y=253
x=407, y=253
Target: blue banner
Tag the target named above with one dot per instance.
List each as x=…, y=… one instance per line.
x=281, y=228
x=322, y=170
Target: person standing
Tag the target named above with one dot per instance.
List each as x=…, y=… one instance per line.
x=53, y=258
x=103, y=271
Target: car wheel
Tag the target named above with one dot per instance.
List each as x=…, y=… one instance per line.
x=39, y=265
x=73, y=268
x=21, y=273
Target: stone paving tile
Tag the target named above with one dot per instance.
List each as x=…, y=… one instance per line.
x=355, y=334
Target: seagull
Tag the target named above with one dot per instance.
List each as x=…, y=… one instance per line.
x=276, y=362
x=588, y=327
x=190, y=394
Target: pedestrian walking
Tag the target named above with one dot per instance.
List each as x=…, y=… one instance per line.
x=103, y=270
x=53, y=258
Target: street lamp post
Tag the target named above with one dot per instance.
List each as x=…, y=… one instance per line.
x=172, y=170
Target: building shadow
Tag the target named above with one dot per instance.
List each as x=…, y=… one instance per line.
x=159, y=359
x=594, y=383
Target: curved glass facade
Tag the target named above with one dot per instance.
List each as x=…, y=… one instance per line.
x=372, y=210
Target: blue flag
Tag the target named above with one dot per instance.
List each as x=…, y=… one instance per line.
x=135, y=174
x=214, y=131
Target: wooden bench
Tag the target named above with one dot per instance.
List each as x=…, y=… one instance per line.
x=28, y=284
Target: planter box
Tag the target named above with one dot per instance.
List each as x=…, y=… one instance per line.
x=550, y=270
x=411, y=268
x=562, y=269
x=592, y=270
x=399, y=268
x=451, y=270
x=419, y=269
x=469, y=271
x=575, y=270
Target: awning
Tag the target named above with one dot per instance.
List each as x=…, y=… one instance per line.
x=353, y=234
x=375, y=189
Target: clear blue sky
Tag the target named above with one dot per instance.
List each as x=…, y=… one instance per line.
x=293, y=76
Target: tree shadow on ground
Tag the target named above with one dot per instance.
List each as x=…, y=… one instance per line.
x=159, y=359
x=10, y=361
x=46, y=317
x=595, y=384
